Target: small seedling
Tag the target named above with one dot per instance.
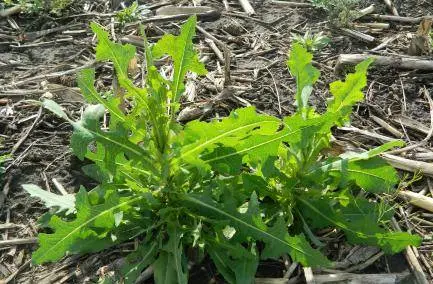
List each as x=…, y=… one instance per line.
x=244, y=188
x=340, y=12
x=128, y=14
x=311, y=42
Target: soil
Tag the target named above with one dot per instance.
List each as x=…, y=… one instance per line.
x=36, y=68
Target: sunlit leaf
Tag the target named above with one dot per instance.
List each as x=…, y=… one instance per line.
x=346, y=94
x=181, y=50
x=359, y=220
x=62, y=202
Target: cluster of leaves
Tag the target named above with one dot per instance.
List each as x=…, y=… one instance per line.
x=311, y=41
x=37, y=6
x=340, y=12
x=128, y=14
x=247, y=187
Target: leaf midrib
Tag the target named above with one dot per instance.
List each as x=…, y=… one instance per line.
x=259, y=145
x=347, y=95
x=104, y=137
x=115, y=60
x=99, y=99
x=221, y=136
x=343, y=226
x=144, y=259
x=89, y=221
x=177, y=255
x=182, y=63
x=197, y=201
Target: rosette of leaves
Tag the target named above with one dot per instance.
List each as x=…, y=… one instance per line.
x=228, y=188
x=311, y=41
x=335, y=190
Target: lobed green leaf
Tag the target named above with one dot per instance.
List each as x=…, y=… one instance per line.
x=90, y=224
x=346, y=94
x=61, y=202
x=306, y=74
x=181, y=50
x=277, y=240
x=119, y=54
x=358, y=218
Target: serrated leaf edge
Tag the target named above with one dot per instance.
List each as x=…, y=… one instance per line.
x=85, y=224
x=199, y=202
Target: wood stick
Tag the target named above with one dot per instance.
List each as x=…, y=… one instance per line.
x=309, y=276
x=59, y=187
x=382, y=26
x=293, y=4
x=425, y=156
x=8, y=226
x=409, y=165
x=410, y=20
x=10, y=11
x=391, y=129
x=367, y=133
x=370, y=9
x=186, y=10
x=134, y=40
x=227, y=64
x=247, y=7
x=366, y=263
x=22, y=267
x=391, y=61
x=391, y=7
x=270, y=281
x=145, y=275
x=358, y=35
x=28, y=131
x=207, y=16
x=291, y=269
x=414, y=264
x=210, y=36
x=226, y=5
x=411, y=123
x=14, y=242
x=215, y=49
x=385, y=42
x=417, y=199
x=361, y=278
x=429, y=134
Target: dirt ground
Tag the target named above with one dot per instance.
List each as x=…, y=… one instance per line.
x=34, y=65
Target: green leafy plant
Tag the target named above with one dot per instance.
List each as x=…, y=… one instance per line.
x=340, y=12
x=232, y=189
x=311, y=42
x=128, y=14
